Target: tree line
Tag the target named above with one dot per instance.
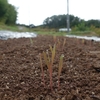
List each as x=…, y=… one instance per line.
x=8, y=13
x=60, y=21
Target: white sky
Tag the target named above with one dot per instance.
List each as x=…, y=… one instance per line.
x=36, y=11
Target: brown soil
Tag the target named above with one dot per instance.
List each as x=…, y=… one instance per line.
x=20, y=72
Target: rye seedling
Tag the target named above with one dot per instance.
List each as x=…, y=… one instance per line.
x=60, y=69
x=64, y=42
x=31, y=41
x=54, y=38
x=42, y=69
x=58, y=43
x=49, y=62
x=83, y=41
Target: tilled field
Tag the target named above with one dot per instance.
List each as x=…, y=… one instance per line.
x=20, y=71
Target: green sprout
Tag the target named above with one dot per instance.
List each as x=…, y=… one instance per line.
x=53, y=51
x=64, y=42
x=60, y=69
x=58, y=43
x=31, y=41
x=49, y=62
x=83, y=41
x=54, y=38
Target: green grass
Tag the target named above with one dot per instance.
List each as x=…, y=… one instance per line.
x=13, y=28
x=82, y=33
x=5, y=27
x=47, y=31
x=51, y=33
x=39, y=31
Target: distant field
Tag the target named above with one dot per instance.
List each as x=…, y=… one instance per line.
x=47, y=31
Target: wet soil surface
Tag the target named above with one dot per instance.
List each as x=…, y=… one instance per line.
x=21, y=76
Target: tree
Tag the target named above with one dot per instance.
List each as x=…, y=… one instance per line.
x=55, y=21
x=74, y=21
x=11, y=15
x=3, y=7
x=3, y=10
x=8, y=13
x=58, y=21
x=95, y=23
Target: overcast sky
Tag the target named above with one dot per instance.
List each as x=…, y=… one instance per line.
x=36, y=11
